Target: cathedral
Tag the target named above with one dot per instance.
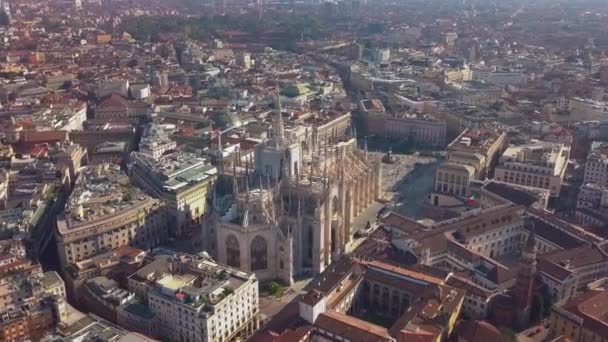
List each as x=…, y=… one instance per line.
x=293, y=212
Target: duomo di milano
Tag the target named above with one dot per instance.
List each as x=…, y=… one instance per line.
x=293, y=212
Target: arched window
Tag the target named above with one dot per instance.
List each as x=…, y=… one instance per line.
x=233, y=252
x=259, y=254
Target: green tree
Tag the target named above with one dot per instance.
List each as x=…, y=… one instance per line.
x=275, y=289
x=507, y=335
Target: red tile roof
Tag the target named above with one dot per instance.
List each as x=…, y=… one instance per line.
x=112, y=101
x=351, y=328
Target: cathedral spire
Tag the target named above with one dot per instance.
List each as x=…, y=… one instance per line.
x=261, y=192
x=529, y=251
x=235, y=185
x=247, y=179
x=325, y=182
x=279, y=128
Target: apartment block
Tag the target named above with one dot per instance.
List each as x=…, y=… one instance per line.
x=105, y=211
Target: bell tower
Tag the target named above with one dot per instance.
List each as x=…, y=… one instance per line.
x=523, y=292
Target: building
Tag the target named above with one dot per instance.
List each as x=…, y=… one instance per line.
x=103, y=297
x=106, y=141
x=72, y=156
x=471, y=156
x=95, y=328
x=31, y=301
x=478, y=148
x=115, y=106
x=156, y=140
x=475, y=93
x=457, y=75
x=180, y=180
x=477, y=331
x=68, y=117
x=460, y=116
x=592, y=206
x=537, y=165
x=197, y=299
x=452, y=180
x=244, y=60
x=112, y=86
x=382, y=56
x=515, y=308
x=411, y=304
x=583, y=318
x=140, y=91
x=105, y=211
x=412, y=128
x=499, y=76
x=596, y=167
x=569, y=256
x=119, y=261
x=294, y=214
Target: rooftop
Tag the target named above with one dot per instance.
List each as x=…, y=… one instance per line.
x=176, y=169
x=199, y=283
x=101, y=190
x=538, y=153
x=475, y=140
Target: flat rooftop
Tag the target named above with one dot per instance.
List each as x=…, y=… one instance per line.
x=475, y=139
x=101, y=190
x=539, y=153
x=177, y=168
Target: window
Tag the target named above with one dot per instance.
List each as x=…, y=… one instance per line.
x=259, y=254
x=233, y=252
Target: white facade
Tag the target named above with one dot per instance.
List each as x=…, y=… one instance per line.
x=499, y=78
x=538, y=165
x=213, y=312
x=596, y=168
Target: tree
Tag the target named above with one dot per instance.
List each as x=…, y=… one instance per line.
x=507, y=335
x=275, y=289
x=67, y=85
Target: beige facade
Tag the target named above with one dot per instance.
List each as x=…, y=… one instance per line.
x=416, y=129
x=454, y=179
x=537, y=165
x=105, y=212
x=478, y=148
x=180, y=180
x=583, y=318
x=199, y=300
x=471, y=156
